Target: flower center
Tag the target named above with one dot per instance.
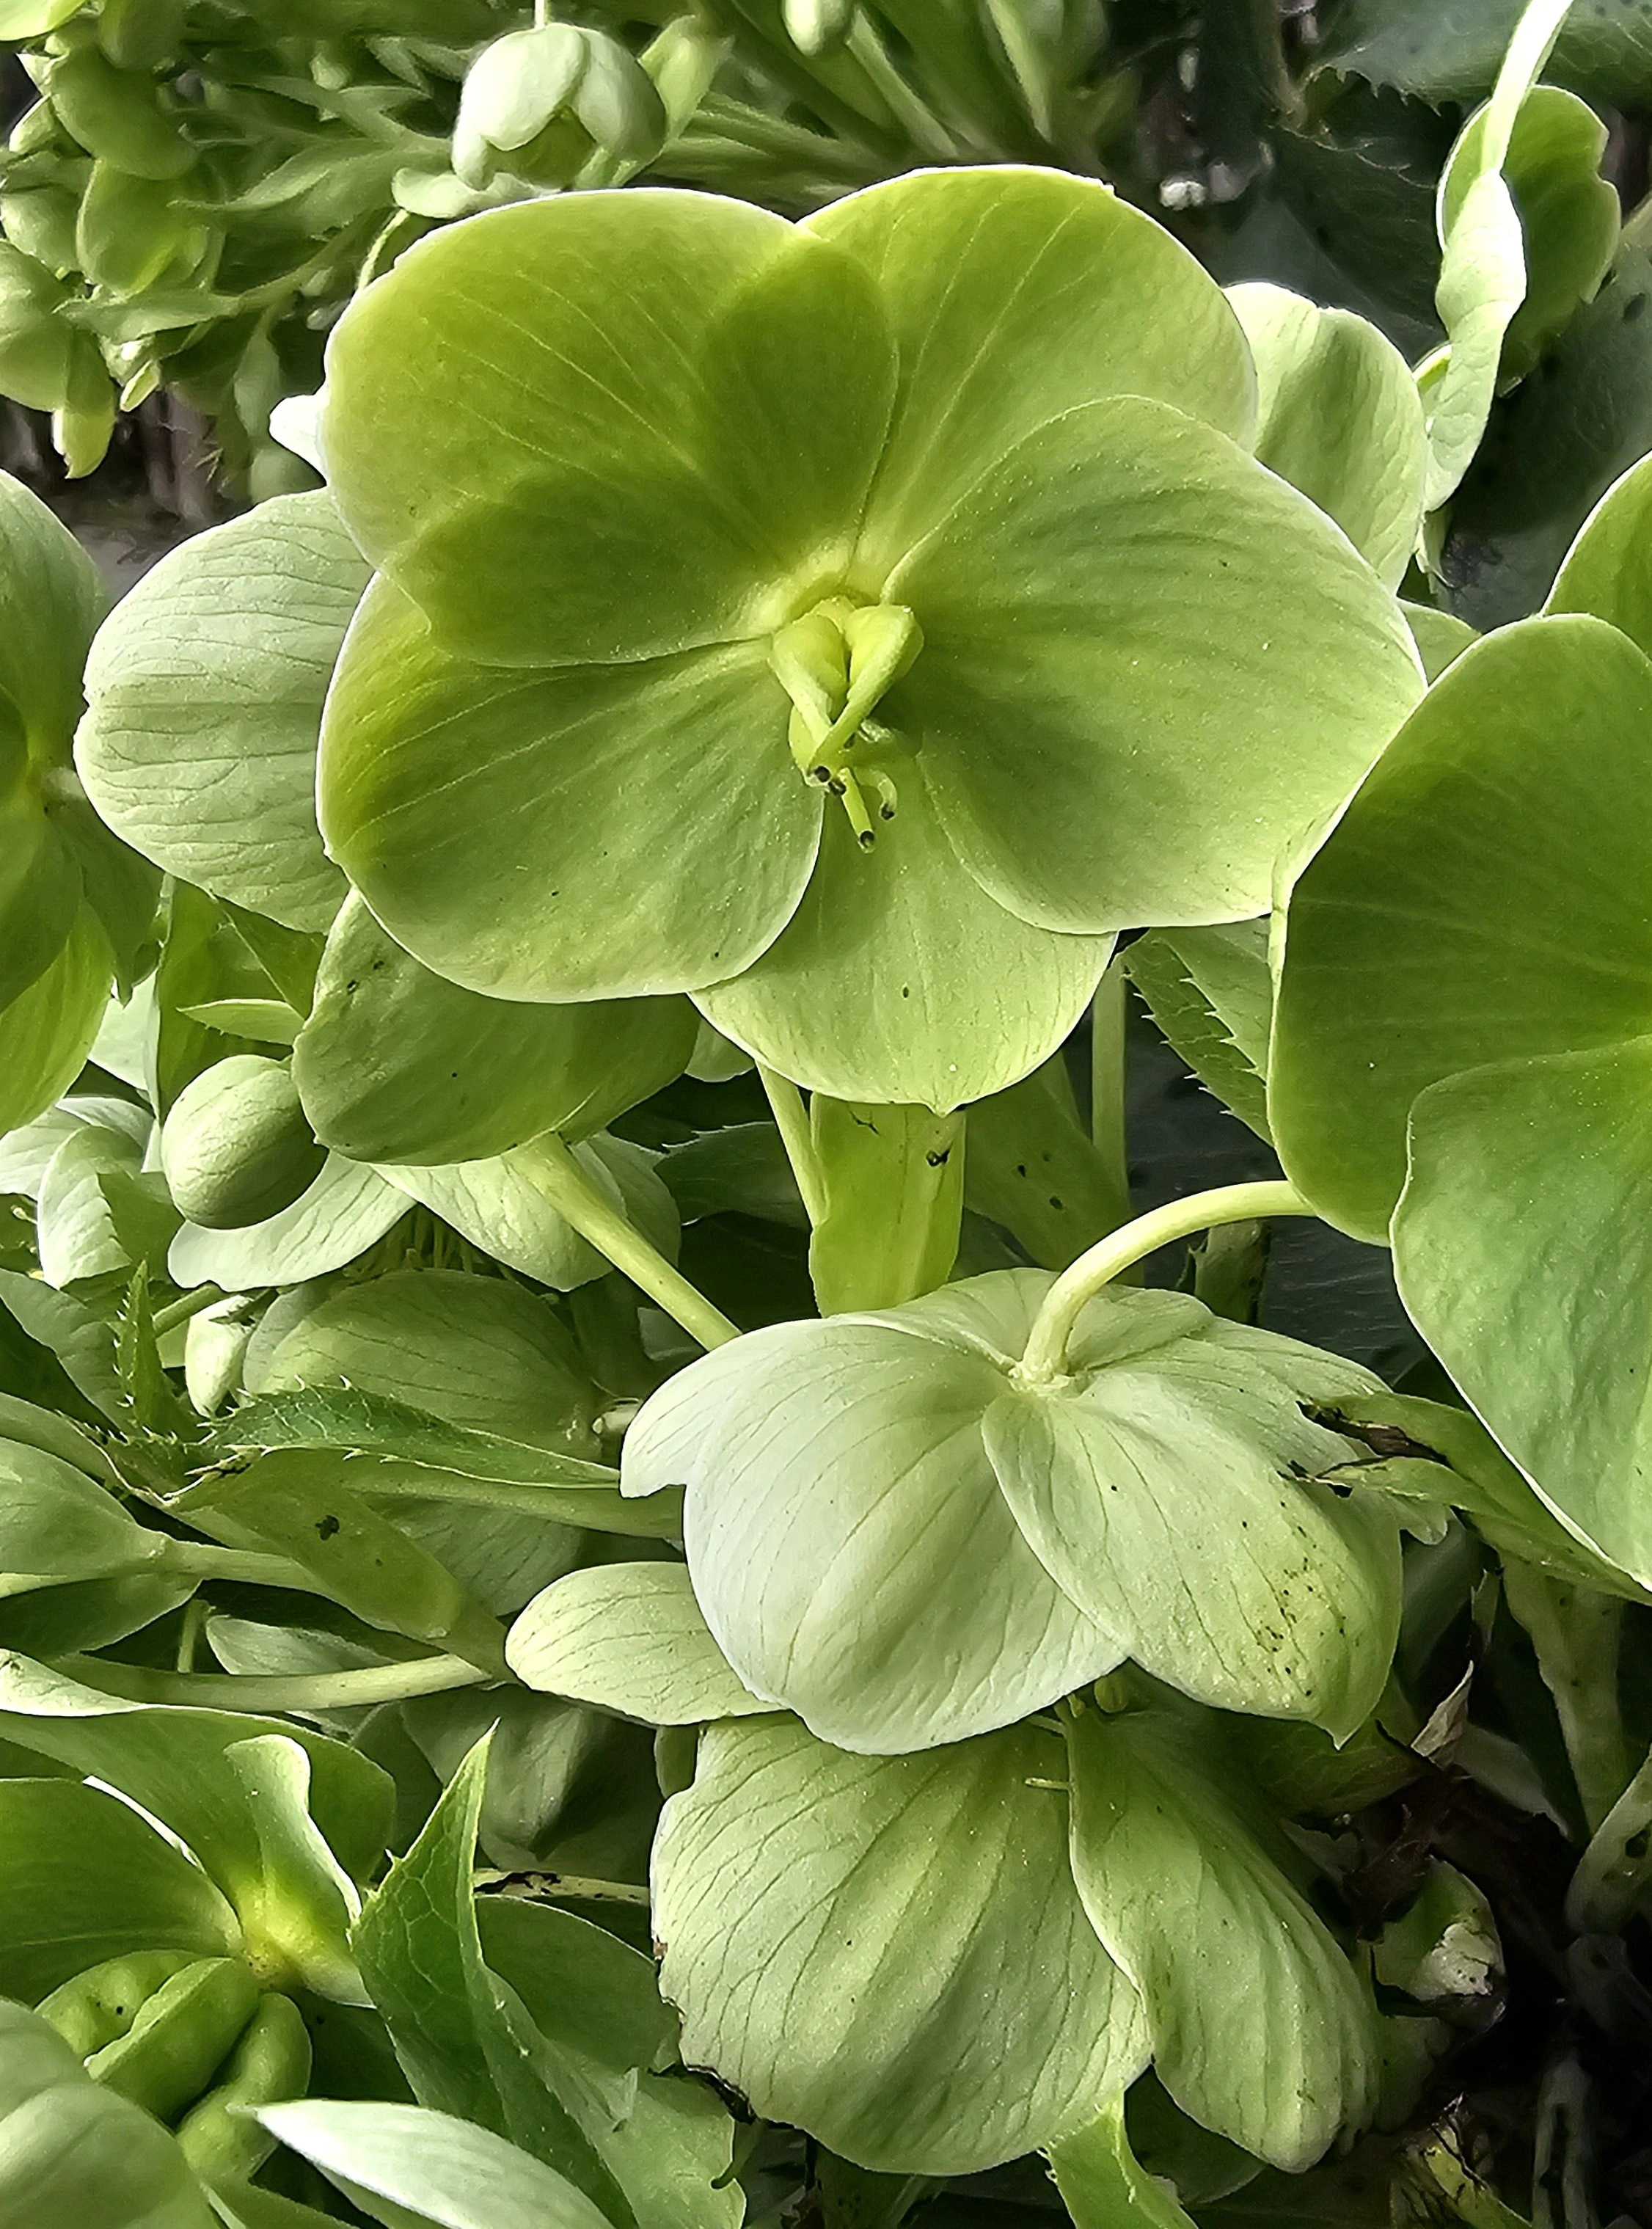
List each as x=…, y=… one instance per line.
x=835, y=662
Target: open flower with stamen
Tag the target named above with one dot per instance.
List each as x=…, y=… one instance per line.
x=852, y=624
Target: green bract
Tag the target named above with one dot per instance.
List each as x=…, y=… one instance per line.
x=894, y=1534
x=694, y=527
x=1467, y=995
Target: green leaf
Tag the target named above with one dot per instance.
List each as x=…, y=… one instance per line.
x=347, y=1209
x=396, y=1065
x=536, y=833
x=1338, y=416
x=464, y=2036
x=1210, y=993
x=670, y=2140
x=630, y=1638
x=635, y=466
x=349, y=1418
x=295, y=1504
x=173, y=1762
x=1013, y=298
x=205, y=691
x=1483, y=267
x=898, y=978
x=87, y=1880
x=1476, y=902
x=76, y=1230
x=57, y=1524
x=83, y=1342
x=72, y=2151
x=1445, y=50
x=569, y=1790
x=475, y=1352
x=1261, y=2030
x=850, y=1548
x=1104, y=2185
x=863, y=1496
x=960, y=2010
x=407, y=2166
x=1128, y=574
x=504, y=1205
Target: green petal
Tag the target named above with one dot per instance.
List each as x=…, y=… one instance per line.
x=1170, y=1492
x=51, y=600
x=608, y=426
x=205, y=691
x=1147, y=664
x=888, y=1951
x=1260, y=2030
x=849, y=1544
x=899, y=978
x=1521, y=1249
x=1015, y=295
x=46, y=1032
x=1338, y=416
x=593, y=833
x=1480, y=898
x=630, y=1638
x=397, y=1065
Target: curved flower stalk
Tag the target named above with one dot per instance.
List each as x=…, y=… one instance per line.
x=852, y=623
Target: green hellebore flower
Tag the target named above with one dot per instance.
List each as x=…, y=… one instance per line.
x=852, y=624
x=897, y=1535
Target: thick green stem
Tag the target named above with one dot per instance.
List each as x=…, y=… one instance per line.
x=1107, y=1126
x=578, y=1200
x=1044, y=1361
x=192, y=1304
x=236, y=1691
x=791, y=1119
x=1614, y=1869
x=202, y=1560
x=1576, y=1633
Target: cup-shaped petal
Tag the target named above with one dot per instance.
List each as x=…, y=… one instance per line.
x=577, y=832
x=1015, y=295
x=1482, y=898
x=959, y=2008
x=606, y=426
x=899, y=979
x=848, y=1541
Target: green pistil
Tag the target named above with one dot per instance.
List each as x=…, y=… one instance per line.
x=836, y=664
